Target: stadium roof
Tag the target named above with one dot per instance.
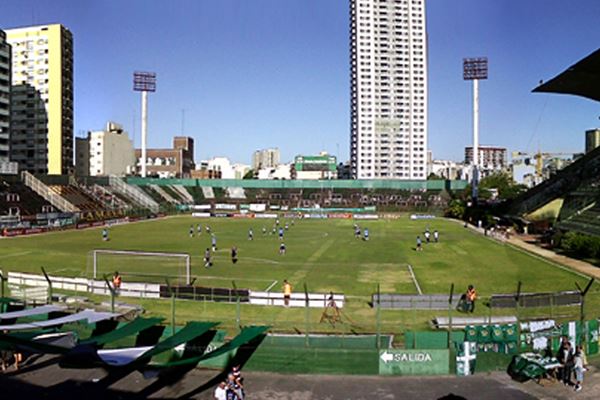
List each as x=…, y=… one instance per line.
x=581, y=79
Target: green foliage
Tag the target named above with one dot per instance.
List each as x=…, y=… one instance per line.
x=456, y=209
x=507, y=188
x=249, y=174
x=434, y=177
x=580, y=245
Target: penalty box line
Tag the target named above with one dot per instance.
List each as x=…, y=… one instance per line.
x=414, y=279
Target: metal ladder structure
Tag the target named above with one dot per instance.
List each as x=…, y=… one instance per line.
x=133, y=192
x=59, y=202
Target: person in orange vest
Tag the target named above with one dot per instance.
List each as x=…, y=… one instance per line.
x=471, y=296
x=287, y=293
x=116, y=280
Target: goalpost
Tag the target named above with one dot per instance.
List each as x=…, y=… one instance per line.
x=156, y=265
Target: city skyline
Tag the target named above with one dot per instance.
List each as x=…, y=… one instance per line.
x=279, y=74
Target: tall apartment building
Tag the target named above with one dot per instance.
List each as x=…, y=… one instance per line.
x=106, y=152
x=265, y=158
x=388, y=60
x=5, y=67
x=42, y=98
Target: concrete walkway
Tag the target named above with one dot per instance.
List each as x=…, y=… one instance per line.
x=524, y=242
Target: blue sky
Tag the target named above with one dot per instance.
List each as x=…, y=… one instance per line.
x=275, y=73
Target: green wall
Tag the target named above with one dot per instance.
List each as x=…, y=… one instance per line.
x=307, y=184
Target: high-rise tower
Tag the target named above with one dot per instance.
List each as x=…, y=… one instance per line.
x=388, y=62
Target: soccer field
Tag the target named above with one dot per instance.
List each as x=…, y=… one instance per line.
x=323, y=254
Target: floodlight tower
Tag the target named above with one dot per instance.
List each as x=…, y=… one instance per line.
x=144, y=82
x=475, y=69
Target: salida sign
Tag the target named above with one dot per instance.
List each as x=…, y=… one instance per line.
x=414, y=362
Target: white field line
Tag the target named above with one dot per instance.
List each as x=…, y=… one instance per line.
x=271, y=285
x=23, y=253
x=414, y=278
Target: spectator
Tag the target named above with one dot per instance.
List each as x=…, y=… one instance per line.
x=471, y=296
x=116, y=281
x=565, y=358
x=234, y=390
x=221, y=392
x=578, y=368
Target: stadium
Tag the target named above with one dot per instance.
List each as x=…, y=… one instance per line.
x=138, y=287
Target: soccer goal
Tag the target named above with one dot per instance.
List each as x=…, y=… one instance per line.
x=141, y=266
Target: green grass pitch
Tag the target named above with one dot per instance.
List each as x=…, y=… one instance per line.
x=323, y=254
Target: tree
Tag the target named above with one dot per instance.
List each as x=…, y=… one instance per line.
x=455, y=209
x=249, y=174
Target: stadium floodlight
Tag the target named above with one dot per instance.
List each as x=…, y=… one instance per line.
x=475, y=69
x=144, y=82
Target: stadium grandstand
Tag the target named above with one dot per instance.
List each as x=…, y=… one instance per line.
x=570, y=198
x=49, y=201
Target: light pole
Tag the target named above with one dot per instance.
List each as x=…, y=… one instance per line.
x=144, y=82
x=475, y=69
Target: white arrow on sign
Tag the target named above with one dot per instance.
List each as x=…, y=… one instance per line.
x=387, y=357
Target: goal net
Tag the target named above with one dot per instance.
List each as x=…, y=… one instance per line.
x=140, y=266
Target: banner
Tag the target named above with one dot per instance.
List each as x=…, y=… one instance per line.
x=258, y=207
x=414, y=362
x=340, y=216
x=365, y=216
x=201, y=207
x=224, y=206
x=267, y=215
x=201, y=215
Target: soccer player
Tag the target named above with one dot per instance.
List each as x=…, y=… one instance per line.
x=282, y=249
x=419, y=244
x=436, y=236
x=191, y=230
x=207, y=262
x=427, y=235
x=366, y=234
x=105, y=235
x=287, y=293
x=207, y=229
x=264, y=230
x=250, y=234
x=199, y=229
x=277, y=222
x=356, y=231
x=287, y=226
x=280, y=233
x=234, y=254
x=213, y=240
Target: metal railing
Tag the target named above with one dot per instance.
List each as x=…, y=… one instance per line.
x=164, y=194
x=44, y=191
x=134, y=192
x=183, y=193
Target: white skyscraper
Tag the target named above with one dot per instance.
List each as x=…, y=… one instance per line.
x=389, y=89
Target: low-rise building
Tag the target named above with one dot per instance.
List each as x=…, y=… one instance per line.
x=106, y=152
x=177, y=162
x=491, y=159
x=265, y=158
